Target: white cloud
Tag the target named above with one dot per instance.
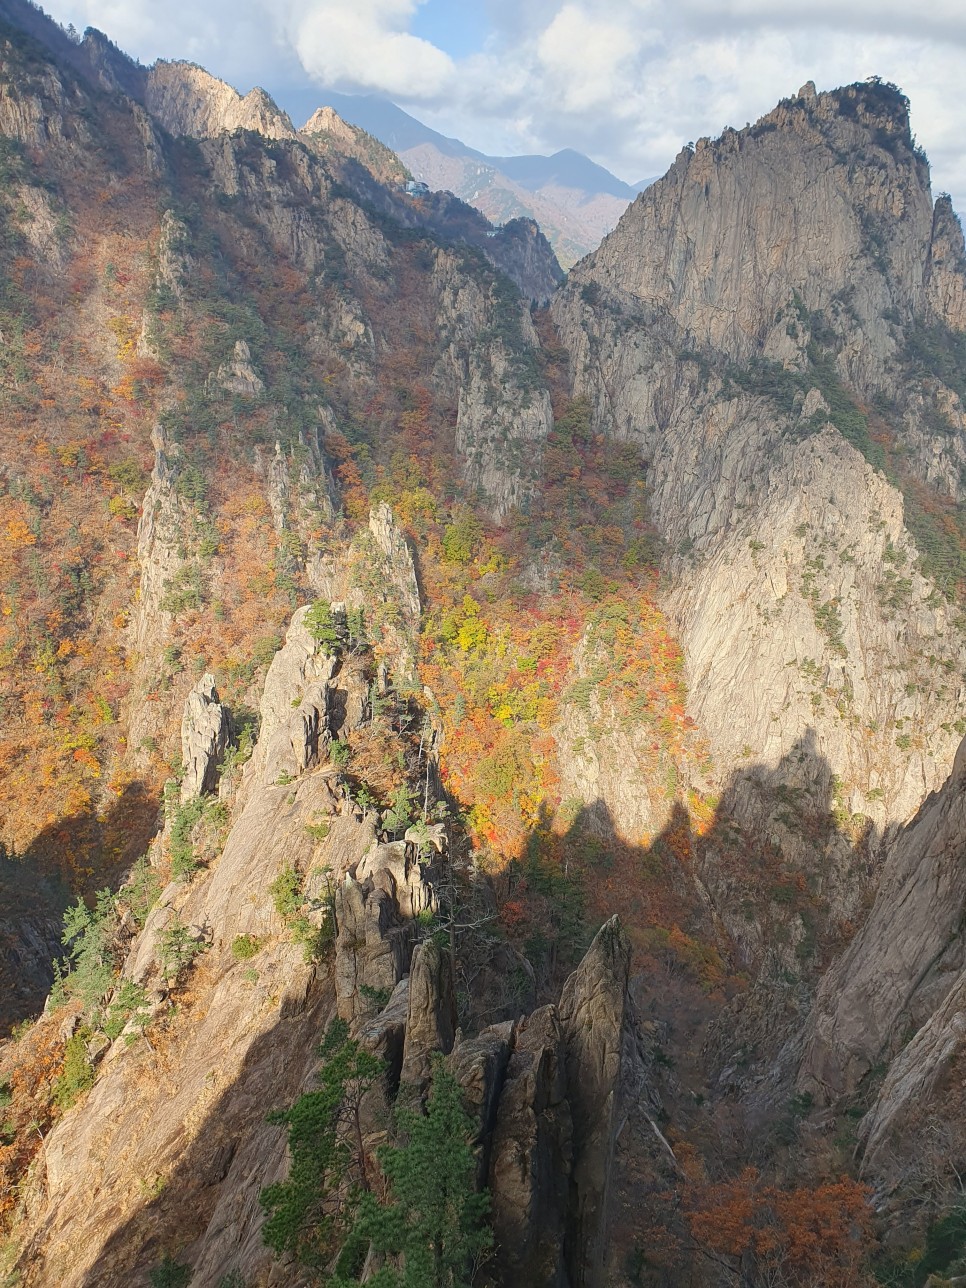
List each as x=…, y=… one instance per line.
x=627, y=81
x=581, y=57
x=365, y=44
x=630, y=81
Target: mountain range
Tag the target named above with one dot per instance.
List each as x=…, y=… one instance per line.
x=457, y=712
x=574, y=200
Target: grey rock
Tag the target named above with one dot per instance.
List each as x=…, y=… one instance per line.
x=290, y=736
x=781, y=544
x=531, y=1158
x=503, y=416
x=204, y=738
x=903, y=965
x=392, y=545
x=238, y=376
x=479, y=1065
x=593, y=1014
x=373, y=947
x=431, y=1025
x=188, y=100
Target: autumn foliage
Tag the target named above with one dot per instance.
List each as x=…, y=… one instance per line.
x=802, y=1237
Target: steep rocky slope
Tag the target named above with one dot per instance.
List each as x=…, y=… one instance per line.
x=342, y=586
x=893, y=1001
x=137, y=338
x=325, y=129
x=244, y=1036
x=777, y=326
x=573, y=218
x=187, y=100
x=742, y=337
x=574, y=200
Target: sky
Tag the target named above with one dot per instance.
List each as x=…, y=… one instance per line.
x=628, y=82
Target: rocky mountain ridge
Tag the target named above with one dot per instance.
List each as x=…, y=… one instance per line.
x=657, y=339
x=545, y=1087
x=574, y=200
x=281, y=408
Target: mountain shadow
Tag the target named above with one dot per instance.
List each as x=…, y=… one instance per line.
x=71, y=856
x=731, y=924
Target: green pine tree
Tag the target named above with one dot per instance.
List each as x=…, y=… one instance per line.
x=320, y=624
x=309, y=1213
x=432, y=1230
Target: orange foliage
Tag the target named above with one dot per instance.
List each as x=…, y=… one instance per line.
x=817, y=1236
x=30, y=1067
x=354, y=497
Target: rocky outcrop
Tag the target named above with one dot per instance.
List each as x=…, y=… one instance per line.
x=400, y=570
x=159, y=547
x=239, y=376
x=600, y=760
x=326, y=133
x=32, y=106
x=531, y=1157
x=501, y=426
x=922, y=1090
x=503, y=408
x=326, y=120
x=295, y=732
x=479, y=1065
x=551, y=1150
x=902, y=969
x=431, y=1025
x=376, y=907
x=204, y=738
x=794, y=588
x=182, y=1121
x=175, y=262
x=372, y=950
x=381, y=583
x=824, y=196
x=593, y=1013
x=188, y=100
x=519, y=249
x=945, y=277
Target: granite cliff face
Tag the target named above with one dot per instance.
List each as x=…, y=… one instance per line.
x=825, y=197
x=222, y=1065
x=734, y=335
x=893, y=1001
x=766, y=326
x=123, y=1172
x=385, y=569
x=186, y=99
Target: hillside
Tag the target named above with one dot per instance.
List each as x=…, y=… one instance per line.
x=515, y=722
x=574, y=200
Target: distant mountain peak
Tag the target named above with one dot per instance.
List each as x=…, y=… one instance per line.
x=186, y=99
x=574, y=200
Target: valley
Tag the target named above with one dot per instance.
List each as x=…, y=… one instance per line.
x=452, y=705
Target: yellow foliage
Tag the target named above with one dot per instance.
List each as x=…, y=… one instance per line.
x=18, y=534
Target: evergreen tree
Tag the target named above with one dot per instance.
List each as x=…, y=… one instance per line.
x=432, y=1229
x=320, y=624
x=309, y=1212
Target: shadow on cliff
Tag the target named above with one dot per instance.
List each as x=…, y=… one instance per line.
x=706, y=903
x=734, y=910
x=776, y=852
x=74, y=855
x=234, y=1137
